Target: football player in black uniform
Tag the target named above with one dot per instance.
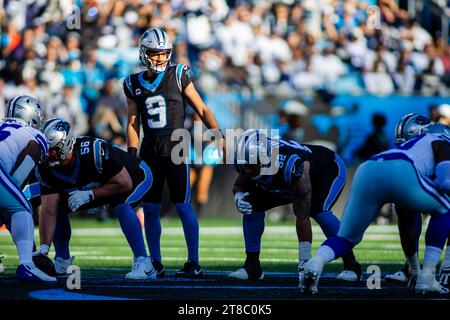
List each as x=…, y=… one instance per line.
x=308, y=176
x=85, y=172
x=156, y=100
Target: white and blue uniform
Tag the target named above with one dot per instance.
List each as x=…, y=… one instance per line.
x=403, y=176
x=14, y=137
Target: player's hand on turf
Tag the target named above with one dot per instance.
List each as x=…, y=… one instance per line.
x=43, y=249
x=79, y=198
x=242, y=205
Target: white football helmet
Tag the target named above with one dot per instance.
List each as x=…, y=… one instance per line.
x=154, y=40
x=60, y=140
x=252, y=151
x=27, y=109
x=409, y=126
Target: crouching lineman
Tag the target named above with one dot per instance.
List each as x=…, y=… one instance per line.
x=22, y=146
x=400, y=176
x=410, y=223
x=308, y=176
x=85, y=172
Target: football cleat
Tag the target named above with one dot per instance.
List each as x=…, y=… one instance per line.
x=444, y=277
x=427, y=283
x=28, y=272
x=190, y=270
x=45, y=264
x=1, y=263
x=311, y=275
x=242, y=274
x=399, y=276
x=159, y=267
x=351, y=273
x=301, y=269
x=142, y=269
x=61, y=265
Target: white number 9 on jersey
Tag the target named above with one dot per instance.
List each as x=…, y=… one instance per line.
x=156, y=109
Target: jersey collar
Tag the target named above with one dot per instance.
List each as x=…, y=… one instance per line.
x=151, y=86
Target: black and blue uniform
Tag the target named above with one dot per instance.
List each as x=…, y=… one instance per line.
x=327, y=173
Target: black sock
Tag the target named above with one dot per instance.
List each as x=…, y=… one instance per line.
x=349, y=259
x=252, y=258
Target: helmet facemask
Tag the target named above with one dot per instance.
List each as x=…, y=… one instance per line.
x=59, y=153
x=61, y=141
x=145, y=56
x=155, y=41
x=253, y=152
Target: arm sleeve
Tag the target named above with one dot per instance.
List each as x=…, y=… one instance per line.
x=293, y=170
x=110, y=161
x=184, y=73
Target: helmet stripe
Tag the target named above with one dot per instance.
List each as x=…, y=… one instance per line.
x=12, y=110
x=156, y=34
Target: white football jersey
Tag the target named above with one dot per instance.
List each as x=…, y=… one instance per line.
x=14, y=137
x=420, y=151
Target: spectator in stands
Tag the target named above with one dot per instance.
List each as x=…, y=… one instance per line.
x=377, y=141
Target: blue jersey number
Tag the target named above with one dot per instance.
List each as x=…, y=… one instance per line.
x=6, y=133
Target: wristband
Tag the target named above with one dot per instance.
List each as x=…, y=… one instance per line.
x=132, y=151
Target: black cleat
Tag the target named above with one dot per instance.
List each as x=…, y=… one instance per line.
x=190, y=270
x=159, y=267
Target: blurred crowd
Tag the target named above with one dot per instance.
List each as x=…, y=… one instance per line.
x=72, y=55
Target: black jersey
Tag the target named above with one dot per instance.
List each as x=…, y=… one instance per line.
x=96, y=162
x=160, y=102
x=291, y=156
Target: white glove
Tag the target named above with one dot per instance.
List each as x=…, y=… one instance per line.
x=78, y=198
x=43, y=249
x=243, y=206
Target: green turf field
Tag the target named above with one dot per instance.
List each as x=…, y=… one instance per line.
x=102, y=245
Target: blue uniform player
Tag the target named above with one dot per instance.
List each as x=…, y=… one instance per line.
x=22, y=146
x=415, y=177
x=308, y=176
x=84, y=172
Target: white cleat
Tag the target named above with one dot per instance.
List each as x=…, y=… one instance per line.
x=347, y=275
x=142, y=269
x=61, y=265
x=241, y=274
x=398, y=276
x=427, y=283
x=28, y=272
x=311, y=275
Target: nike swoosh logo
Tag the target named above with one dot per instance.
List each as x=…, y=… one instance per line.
x=197, y=272
x=148, y=273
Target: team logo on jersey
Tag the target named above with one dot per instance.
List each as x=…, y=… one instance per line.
x=138, y=91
